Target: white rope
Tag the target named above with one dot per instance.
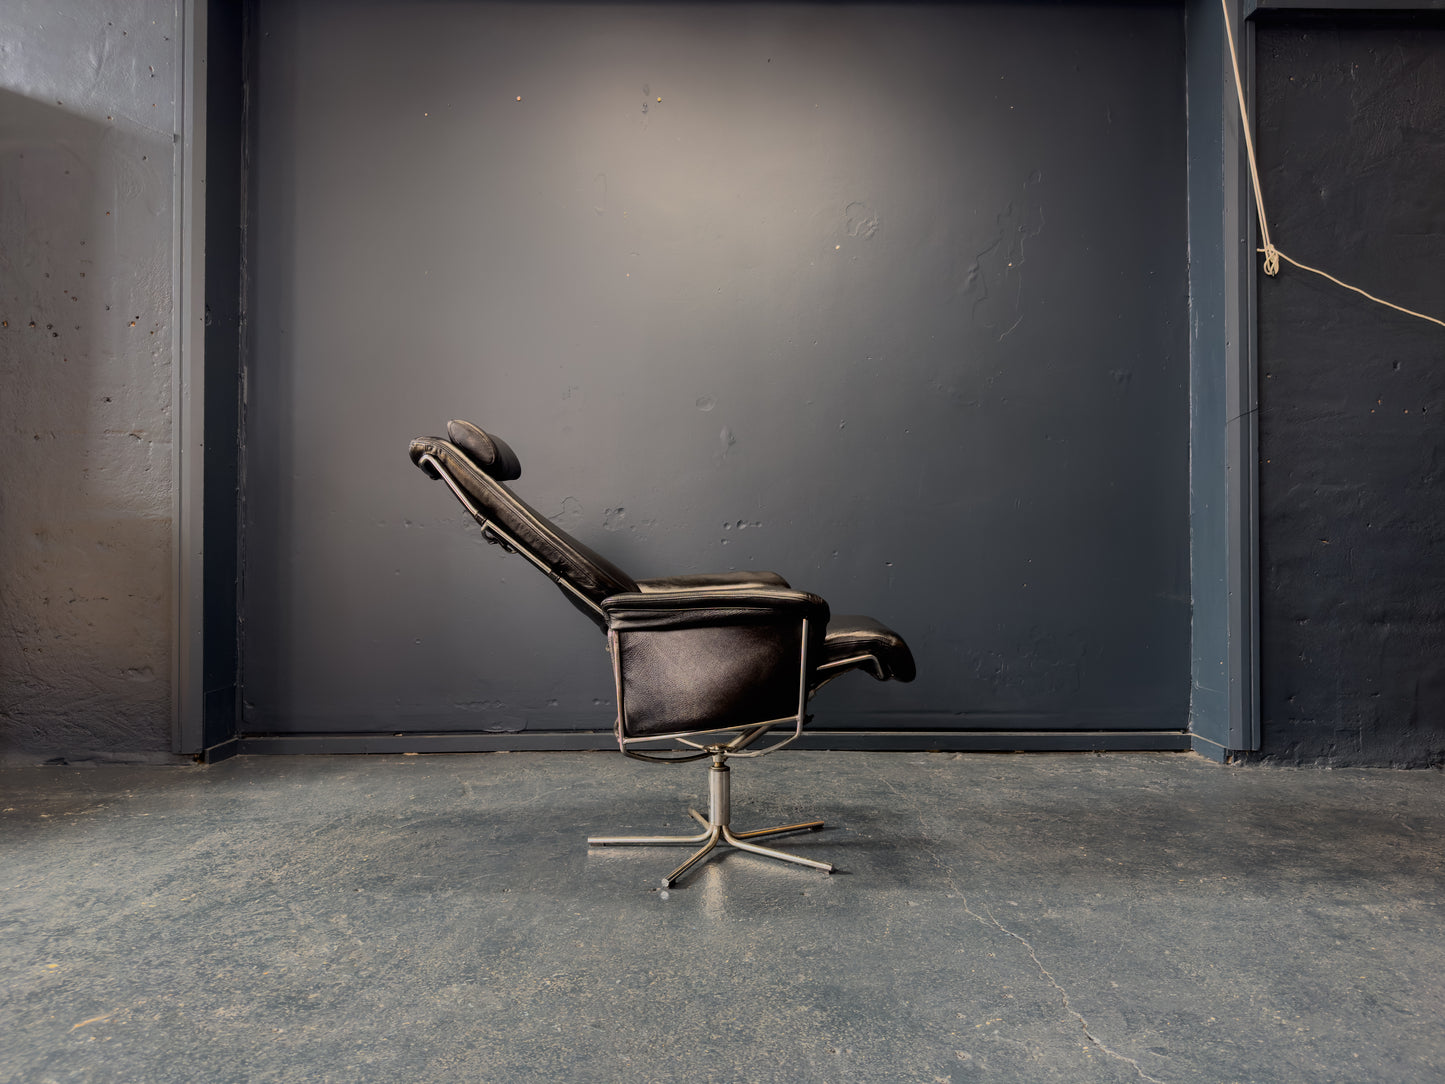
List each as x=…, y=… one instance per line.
x=1362, y=293
x=1272, y=255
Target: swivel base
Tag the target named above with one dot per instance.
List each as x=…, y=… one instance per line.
x=715, y=830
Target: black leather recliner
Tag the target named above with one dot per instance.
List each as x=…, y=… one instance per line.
x=709, y=662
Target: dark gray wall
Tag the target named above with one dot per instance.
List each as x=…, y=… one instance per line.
x=889, y=299
x=225, y=196
x=87, y=111
x=1352, y=416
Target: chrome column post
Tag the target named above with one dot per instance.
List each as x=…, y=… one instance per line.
x=719, y=806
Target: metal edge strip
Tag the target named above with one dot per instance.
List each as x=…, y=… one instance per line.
x=188, y=270
x=978, y=741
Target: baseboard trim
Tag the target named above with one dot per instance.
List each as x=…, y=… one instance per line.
x=943, y=741
x=224, y=751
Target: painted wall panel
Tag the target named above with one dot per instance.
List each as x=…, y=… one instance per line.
x=890, y=299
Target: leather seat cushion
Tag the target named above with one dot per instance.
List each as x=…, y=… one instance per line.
x=852, y=635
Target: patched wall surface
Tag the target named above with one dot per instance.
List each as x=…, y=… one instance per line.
x=88, y=94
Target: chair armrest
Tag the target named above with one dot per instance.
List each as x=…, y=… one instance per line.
x=696, y=607
x=720, y=580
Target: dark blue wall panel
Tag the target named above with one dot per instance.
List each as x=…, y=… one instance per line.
x=890, y=299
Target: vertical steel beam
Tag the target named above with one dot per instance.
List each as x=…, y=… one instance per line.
x=1224, y=710
x=1242, y=408
x=188, y=436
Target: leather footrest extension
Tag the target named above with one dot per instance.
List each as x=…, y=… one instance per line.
x=851, y=635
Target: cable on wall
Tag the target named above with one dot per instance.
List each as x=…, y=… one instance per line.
x=1272, y=255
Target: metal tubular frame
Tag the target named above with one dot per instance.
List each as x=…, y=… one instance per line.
x=840, y=667
x=750, y=732
x=716, y=826
x=494, y=533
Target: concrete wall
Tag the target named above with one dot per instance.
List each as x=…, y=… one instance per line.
x=1352, y=395
x=88, y=93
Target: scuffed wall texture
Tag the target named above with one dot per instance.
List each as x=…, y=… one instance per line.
x=88, y=95
x=1352, y=395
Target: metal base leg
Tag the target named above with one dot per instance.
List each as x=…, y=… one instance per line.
x=713, y=835
x=648, y=841
x=715, y=830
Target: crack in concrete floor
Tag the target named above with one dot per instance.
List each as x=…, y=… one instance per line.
x=948, y=875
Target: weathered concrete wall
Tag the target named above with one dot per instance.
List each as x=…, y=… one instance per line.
x=1352, y=395
x=88, y=94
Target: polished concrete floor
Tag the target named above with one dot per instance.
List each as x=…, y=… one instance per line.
x=1071, y=918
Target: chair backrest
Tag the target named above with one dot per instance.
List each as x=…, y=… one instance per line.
x=475, y=465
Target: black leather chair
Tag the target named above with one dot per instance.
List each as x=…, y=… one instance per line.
x=704, y=664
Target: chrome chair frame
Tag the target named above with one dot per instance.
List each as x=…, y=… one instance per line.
x=603, y=592
x=717, y=825
x=492, y=533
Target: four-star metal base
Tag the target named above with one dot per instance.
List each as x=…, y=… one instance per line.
x=715, y=829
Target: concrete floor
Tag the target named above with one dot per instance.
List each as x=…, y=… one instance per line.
x=1000, y=918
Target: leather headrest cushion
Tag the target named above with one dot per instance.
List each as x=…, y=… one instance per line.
x=489, y=453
